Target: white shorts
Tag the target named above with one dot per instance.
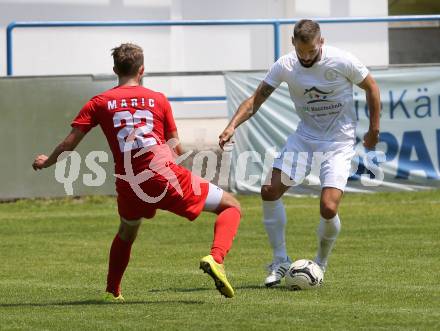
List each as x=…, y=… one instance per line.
x=213, y=198
x=331, y=159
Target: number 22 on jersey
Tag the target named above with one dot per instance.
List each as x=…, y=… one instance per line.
x=141, y=118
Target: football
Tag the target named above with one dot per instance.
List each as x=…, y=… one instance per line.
x=303, y=275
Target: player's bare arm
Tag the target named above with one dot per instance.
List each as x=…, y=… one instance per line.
x=68, y=144
x=178, y=149
x=371, y=138
x=245, y=111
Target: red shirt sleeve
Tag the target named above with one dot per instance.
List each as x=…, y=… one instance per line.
x=169, y=124
x=86, y=118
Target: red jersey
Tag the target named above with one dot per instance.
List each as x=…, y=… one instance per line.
x=134, y=112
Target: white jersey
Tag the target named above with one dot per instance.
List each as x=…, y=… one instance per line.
x=323, y=93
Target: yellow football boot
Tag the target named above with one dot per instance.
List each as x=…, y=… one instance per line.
x=109, y=297
x=217, y=272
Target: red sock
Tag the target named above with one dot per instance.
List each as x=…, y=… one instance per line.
x=225, y=229
x=119, y=257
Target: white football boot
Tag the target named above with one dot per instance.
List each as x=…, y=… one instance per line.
x=276, y=272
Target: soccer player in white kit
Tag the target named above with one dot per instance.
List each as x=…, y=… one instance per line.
x=320, y=80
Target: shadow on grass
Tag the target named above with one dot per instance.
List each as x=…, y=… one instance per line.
x=100, y=302
x=201, y=289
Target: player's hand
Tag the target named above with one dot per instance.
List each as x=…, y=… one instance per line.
x=371, y=138
x=226, y=136
x=40, y=162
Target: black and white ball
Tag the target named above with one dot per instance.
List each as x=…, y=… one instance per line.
x=303, y=275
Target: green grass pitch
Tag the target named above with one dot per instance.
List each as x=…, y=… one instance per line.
x=384, y=273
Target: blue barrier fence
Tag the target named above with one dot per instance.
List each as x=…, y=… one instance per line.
x=208, y=98
x=275, y=23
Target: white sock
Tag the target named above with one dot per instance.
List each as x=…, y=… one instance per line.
x=275, y=224
x=328, y=231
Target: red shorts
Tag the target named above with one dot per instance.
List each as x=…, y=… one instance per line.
x=186, y=199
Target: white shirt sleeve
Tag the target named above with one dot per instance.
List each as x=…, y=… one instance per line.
x=274, y=76
x=356, y=70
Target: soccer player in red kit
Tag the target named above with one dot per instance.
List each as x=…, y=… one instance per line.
x=138, y=123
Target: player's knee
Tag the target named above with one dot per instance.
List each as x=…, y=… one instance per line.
x=231, y=201
x=328, y=209
x=270, y=193
x=128, y=237
x=128, y=232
